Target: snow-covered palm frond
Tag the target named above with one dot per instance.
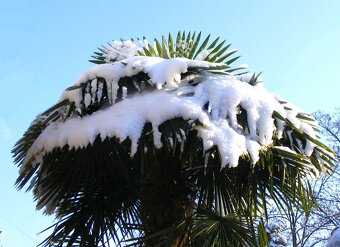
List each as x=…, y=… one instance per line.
x=173, y=121
x=185, y=45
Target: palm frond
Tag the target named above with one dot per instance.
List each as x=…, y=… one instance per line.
x=90, y=206
x=187, y=46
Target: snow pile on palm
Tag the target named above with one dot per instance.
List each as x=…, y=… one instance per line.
x=133, y=87
x=334, y=239
x=214, y=100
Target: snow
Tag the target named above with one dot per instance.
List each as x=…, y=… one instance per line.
x=253, y=148
x=121, y=120
x=334, y=240
x=274, y=229
x=111, y=72
x=203, y=54
x=231, y=145
x=120, y=50
x=285, y=149
x=225, y=95
x=308, y=129
x=162, y=72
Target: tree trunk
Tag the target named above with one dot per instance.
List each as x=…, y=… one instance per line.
x=166, y=200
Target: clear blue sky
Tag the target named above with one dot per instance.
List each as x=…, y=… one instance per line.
x=44, y=45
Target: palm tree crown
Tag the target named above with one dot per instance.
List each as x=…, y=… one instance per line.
x=166, y=145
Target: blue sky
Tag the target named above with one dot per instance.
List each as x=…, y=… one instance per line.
x=44, y=45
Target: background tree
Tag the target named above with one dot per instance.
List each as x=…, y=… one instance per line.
x=330, y=128
x=167, y=148
x=312, y=227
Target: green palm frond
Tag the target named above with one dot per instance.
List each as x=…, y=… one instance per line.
x=91, y=206
x=207, y=228
x=213, y=229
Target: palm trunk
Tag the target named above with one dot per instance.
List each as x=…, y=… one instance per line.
x=165, y=199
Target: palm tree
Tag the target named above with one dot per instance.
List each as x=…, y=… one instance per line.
x=164, y=145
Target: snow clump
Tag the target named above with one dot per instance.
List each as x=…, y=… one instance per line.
x=215, y=102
